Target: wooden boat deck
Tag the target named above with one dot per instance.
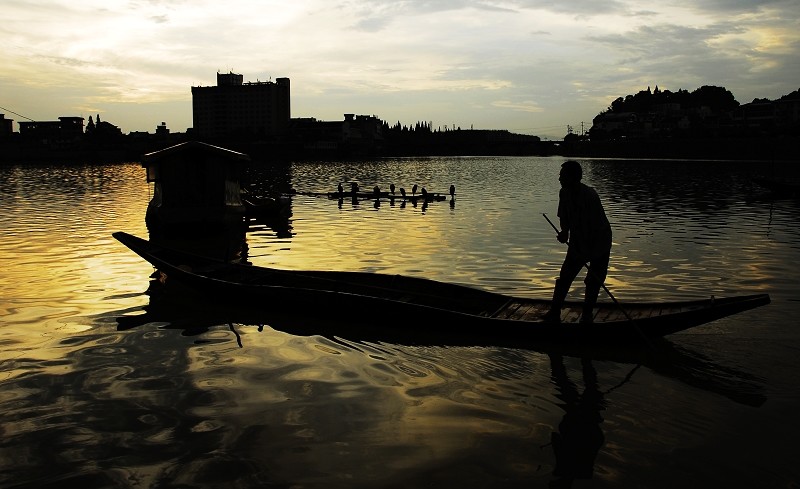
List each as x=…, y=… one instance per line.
x=526, y=310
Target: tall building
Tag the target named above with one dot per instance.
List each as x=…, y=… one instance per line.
x=235, y=109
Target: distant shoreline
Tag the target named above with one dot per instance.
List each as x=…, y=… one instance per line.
x=739, y=149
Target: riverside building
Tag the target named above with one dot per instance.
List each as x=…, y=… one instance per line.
x=237, y=110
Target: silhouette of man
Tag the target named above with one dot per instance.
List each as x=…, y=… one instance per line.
x=585, y=227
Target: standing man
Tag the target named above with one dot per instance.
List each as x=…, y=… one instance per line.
x=585, y=227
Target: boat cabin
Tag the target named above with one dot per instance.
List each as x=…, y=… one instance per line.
x=195, y=184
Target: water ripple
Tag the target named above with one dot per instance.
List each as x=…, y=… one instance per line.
x=179, y=400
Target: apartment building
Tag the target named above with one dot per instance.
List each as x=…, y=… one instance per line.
x=234, y=109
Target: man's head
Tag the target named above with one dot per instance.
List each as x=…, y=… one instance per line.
x=571, y=173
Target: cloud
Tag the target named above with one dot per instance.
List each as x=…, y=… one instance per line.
x=740, y=6
x=723, y=53
x=524, y=106
x=458, y=61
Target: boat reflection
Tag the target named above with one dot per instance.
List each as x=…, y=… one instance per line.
x=579, y=436
x=228, y=242
x=278, y=220
x=173, y=306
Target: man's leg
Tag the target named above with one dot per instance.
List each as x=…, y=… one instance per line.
x=598, y=270
x=569, y=270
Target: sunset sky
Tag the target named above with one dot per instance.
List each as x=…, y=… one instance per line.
x=529, y=66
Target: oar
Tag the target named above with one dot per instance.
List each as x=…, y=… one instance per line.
x=589, y=270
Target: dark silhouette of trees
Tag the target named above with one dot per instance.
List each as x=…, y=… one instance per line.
x=716, y=99
x=705, y=123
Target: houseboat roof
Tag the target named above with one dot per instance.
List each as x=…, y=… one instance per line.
x=193, y=147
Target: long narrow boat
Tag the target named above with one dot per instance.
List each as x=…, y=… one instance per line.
x=369, y=301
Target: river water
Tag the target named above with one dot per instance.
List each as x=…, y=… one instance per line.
x=198, y=397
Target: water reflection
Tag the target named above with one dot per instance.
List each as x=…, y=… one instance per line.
x=654, y=186
x=192, y=393
x=104, y=416
x=440, y=383
x=182, y=311
x=579, y=436
x=174, y=307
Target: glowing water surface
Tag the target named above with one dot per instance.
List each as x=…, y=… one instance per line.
x=199, y=399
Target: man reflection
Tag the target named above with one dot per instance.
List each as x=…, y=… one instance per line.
x=579, y=436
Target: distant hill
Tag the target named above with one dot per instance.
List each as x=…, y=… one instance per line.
x=707, y=123
x=706, y=112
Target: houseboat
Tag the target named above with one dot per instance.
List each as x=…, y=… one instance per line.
x=196, y=187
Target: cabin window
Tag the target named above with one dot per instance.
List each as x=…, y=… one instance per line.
x=152, y=173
